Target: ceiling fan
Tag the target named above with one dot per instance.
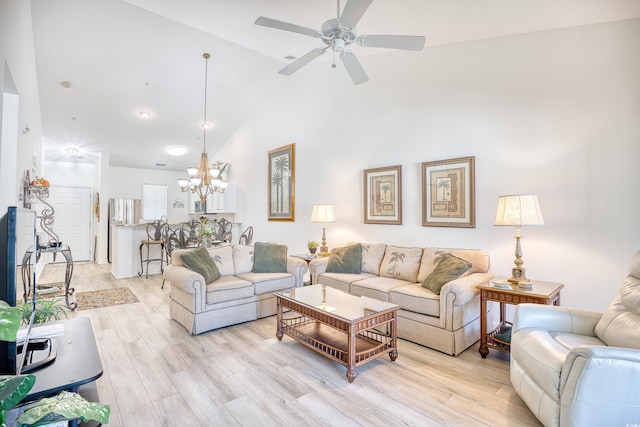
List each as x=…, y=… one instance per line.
x=339, y=33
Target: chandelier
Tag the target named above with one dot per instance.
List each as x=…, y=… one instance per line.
x=205, y=179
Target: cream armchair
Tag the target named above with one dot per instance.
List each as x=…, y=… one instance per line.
x=579, y=368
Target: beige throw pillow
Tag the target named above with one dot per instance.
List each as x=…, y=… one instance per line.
x=401, y=263
x=372, y=254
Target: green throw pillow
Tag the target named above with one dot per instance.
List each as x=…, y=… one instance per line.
x=269, y=258
x=449, y=268
x=347, y=259
x=200, y=261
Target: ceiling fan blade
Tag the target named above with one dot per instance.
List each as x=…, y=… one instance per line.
x=353, y=11
x=392, y=42
x=302, y=61
x=353, y=67
x=281, y=25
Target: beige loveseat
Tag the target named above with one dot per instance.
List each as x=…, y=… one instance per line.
x=448, y=322
x=239, y=295
x=575, y=367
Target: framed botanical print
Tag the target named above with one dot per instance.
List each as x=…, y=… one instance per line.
x=281, y=180
x=383, y=195
x=448, y=193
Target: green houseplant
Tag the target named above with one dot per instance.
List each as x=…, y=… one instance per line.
x=313, y=246
x=13, y=388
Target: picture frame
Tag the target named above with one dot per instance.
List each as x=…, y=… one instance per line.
x=383, y=195
x=281, y=183
x=448, y=193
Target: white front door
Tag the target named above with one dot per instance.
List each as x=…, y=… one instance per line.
x=73, y=213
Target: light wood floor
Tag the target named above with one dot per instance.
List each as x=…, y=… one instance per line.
x=156, y=374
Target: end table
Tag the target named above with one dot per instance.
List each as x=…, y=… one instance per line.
x=540, y=293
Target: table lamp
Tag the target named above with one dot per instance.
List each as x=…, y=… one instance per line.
x=323, y=214
x=518, y=210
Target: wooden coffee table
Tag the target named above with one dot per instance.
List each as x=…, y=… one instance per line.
x=347, y=329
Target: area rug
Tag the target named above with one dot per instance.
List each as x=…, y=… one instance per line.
x=104, y=298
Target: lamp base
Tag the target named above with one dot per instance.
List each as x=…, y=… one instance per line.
x=519, y=278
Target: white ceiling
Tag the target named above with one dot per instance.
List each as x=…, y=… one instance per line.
x=122, y=57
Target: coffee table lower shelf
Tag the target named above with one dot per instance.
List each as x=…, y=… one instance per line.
x=334, y=343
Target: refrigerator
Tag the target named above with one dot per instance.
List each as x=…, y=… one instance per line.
x=122, y=212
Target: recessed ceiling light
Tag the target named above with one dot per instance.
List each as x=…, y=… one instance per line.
x=290, y=57
x=207, y=125
x=65, y=84
x=145, y=114
x=176, y=150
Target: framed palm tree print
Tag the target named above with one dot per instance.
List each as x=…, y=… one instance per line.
x=282, y=183
x=448, y=193
x=383, y=195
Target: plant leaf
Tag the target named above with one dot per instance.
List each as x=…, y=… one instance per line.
x=65, y=406
x=10, y=318
x=13, y=388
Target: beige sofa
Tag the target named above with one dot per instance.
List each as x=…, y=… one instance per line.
x=575, y=367
x=238, y=296
x=448, y=322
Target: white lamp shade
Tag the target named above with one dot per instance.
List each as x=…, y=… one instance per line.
x=192, y=171
x=183, y=183
x=518, y=210
x=323, y=213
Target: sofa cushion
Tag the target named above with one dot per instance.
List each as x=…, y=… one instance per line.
x=415, y=298
x=401, y=263
x=347, y=259
x=228, y=288
x=223, y=257
x=449, y=268
x=342, y=281
x=198, y=260
x=269, y=282
x=269, y=258
x=372, y=254
x=430, y=256
x=376, y=287
x=242, y=258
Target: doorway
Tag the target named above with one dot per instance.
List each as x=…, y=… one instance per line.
x=73, y=214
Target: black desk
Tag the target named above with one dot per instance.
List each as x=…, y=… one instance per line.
x=78, y=361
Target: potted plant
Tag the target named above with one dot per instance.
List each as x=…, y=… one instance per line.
x=47, y=309
x=313, y=246
x=13, y=388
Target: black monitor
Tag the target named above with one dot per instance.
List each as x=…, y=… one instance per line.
x=17, y=237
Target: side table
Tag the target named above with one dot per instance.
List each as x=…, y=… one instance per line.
x=307, y=258
x=547, y=293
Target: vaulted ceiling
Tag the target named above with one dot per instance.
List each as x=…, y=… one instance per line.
x=121, y=57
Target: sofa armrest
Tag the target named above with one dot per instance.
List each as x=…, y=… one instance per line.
x=464, y=288
x=596, y=384
x=317, y=267
x=298, y=268
x=185, y=279
x=556, y=319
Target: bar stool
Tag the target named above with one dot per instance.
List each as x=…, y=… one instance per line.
x=155, y=236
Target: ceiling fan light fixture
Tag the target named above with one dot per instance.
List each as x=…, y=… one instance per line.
x=338, y=45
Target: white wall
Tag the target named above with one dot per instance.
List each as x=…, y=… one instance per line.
x=127, y=183
x=18, y=76
x=553, y=113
